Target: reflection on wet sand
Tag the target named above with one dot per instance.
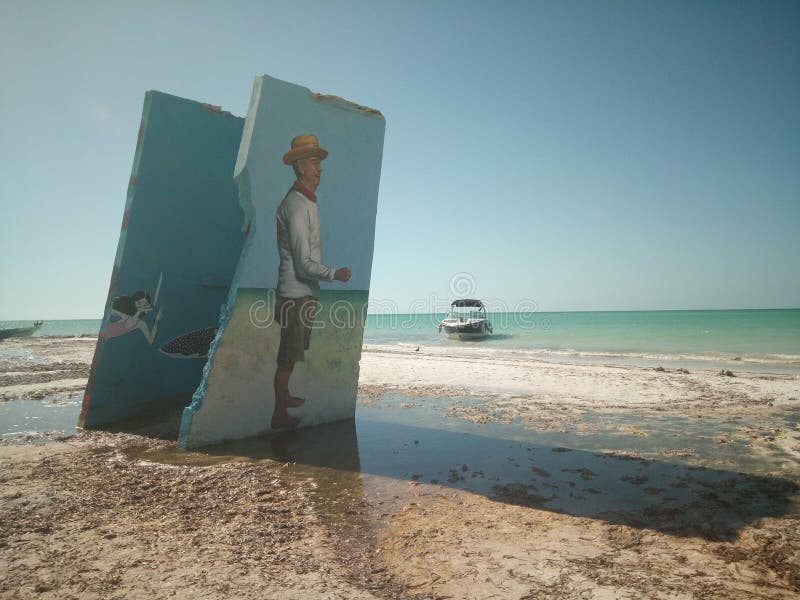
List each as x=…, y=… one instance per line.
x=323, y=460
x=615, y=487
x=408, y=499
x=352, y=464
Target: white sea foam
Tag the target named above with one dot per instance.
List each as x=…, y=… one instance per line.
x=572, y=354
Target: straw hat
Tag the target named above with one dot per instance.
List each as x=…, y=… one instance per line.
x=304, y=146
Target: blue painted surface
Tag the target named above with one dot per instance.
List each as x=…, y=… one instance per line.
x=347, y=195
x=236, y=396
x=180, y=242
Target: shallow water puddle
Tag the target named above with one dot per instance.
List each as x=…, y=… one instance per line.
x=712, y=443
x=615, y=466
x=365, y=471
x=31, y=418
x=606, y=476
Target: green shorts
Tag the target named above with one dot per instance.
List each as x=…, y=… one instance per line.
x=296, y=319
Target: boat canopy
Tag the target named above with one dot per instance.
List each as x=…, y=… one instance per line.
x=467, y=302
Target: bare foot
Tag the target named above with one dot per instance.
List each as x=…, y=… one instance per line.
x=287, y=422
x=294, y=402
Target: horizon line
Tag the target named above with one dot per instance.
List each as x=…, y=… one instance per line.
x=488, y=311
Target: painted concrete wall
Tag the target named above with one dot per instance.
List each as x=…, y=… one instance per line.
x=236, y=397
x=179, y=244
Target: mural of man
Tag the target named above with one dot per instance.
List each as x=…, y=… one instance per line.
x=300, y=270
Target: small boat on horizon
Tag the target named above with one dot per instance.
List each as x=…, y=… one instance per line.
x=20, y=331
x=470, y=325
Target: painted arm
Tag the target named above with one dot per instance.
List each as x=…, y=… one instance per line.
x=150, y=333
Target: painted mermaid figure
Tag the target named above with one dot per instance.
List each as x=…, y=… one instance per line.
x=130, y=312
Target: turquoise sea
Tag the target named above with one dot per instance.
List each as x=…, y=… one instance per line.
x=756, y=340
x=59, y=328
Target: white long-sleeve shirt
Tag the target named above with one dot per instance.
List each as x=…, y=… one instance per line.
x=300, y=248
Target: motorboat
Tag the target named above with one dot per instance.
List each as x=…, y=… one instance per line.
x=20, y=331
x=469, y=324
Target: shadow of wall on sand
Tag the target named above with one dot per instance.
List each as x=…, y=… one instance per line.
x=667, y=496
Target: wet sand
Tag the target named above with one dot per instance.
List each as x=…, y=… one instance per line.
x=539, y=391
x=533, y=480
x=38, y=367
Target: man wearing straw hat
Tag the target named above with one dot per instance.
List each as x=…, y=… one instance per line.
x=300, y=271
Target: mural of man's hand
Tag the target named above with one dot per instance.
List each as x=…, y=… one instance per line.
x=342, y=274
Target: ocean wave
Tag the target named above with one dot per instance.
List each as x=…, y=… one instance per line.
x=766, y=359
x=66, y=336
x=777, y=360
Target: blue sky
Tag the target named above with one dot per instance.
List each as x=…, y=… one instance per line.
x=574, y=155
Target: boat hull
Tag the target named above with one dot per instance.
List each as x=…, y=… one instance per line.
x=467, y=335
x=467, y=331
x=17, y=332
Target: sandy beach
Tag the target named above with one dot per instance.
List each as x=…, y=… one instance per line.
x=465, y=476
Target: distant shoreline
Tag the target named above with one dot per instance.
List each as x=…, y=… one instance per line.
x=549, y=312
